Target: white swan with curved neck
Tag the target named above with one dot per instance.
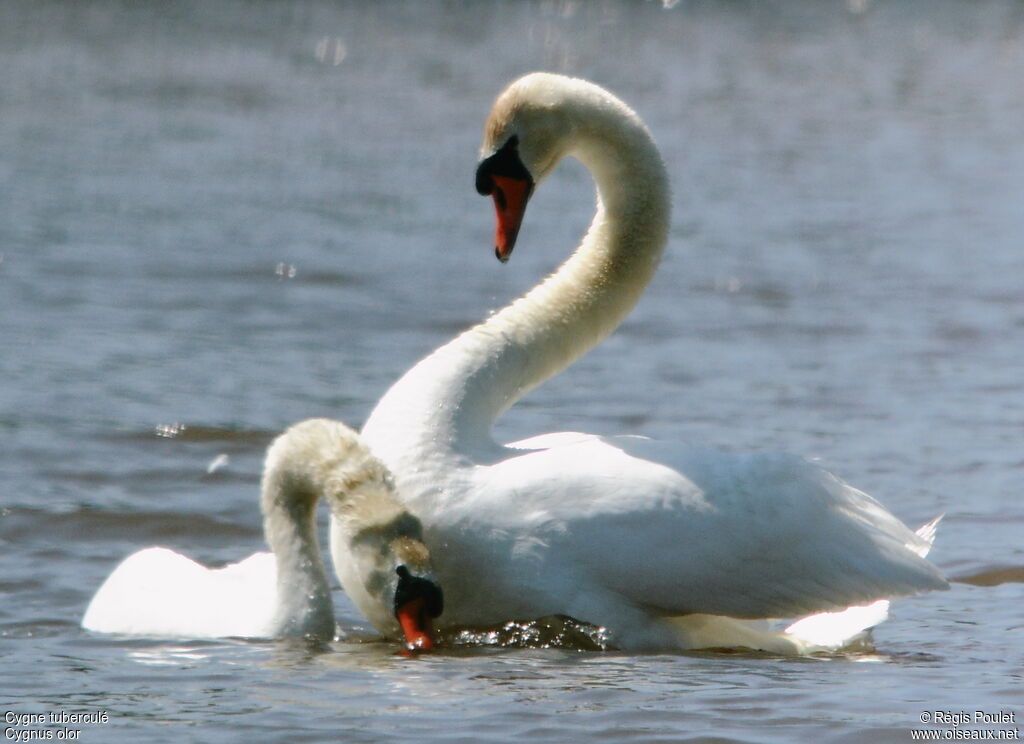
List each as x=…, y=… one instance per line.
x=646, y=538
x=157, y=592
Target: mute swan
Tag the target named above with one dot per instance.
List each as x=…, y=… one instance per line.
x=158, y=592
x=645, y=538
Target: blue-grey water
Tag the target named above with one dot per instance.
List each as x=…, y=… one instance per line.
x=217, y=219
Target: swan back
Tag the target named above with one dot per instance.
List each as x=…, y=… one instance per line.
x=158, y=592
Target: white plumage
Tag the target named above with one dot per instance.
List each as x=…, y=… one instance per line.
x=157, y=592
x=667, y=546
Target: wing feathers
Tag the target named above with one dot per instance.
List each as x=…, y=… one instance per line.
x=681, y=531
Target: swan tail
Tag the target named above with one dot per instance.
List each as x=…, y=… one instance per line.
x=822, y=632
x=157, y=592
x=836, y=630
x=927, y=533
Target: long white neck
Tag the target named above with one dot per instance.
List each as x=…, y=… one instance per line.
x=444, y=407
x=289, y=497
x=315, y=459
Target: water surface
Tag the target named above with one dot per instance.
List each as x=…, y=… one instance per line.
x=220, y=219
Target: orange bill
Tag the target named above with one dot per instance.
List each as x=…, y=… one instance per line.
x=510, y=197
x=415, y=622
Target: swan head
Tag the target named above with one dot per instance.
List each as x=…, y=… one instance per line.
x=417, y=602
x=381, y=559
x=403, y=580
x=385, y=569
x=543, y=117
x=528, y=131
x=383, y=564
x=503, y=176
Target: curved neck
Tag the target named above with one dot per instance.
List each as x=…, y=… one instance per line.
x=446, y=404
x=321, y=458
x=313, y=459
x=289, y=498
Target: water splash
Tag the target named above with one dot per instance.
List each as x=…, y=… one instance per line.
x=551, y=631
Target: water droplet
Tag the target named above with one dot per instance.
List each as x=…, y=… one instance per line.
x=170, y=431
x=285, y=271
x=332, y=50
x=217, y=463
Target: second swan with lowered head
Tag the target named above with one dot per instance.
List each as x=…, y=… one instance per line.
x=387, y=573
x=665, y=545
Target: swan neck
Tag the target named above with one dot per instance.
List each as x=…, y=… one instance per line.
x=445, y=406
x=289, y=523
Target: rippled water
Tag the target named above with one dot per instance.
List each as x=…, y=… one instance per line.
x=219, y=219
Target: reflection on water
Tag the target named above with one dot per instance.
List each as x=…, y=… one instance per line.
x=994, y=576
x=222, y=218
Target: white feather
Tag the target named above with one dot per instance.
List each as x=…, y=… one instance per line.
x=623, y=532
